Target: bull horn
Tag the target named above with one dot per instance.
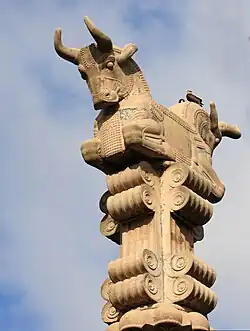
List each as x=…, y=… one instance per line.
x=127, y=52
x=104, y=43
x=68, y=54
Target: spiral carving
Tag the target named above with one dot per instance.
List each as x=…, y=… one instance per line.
x=181, y=286
x=131, y=177
x=181, y=174
x=191, y=293
x=135, y=291
x=190, y=206
x=151, y=262
x=178, y=262
x=110, y=228
x=131, y=266
x=110, y=314
x=131, y=203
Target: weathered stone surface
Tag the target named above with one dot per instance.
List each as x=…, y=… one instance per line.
x=161, y=187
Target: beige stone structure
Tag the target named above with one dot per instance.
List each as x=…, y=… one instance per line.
x=161, y=188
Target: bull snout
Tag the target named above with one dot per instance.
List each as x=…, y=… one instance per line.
x=105, y=99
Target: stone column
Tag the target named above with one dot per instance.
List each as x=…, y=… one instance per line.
x=155, y=215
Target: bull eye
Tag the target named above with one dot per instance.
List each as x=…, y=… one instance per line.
x=110, y=65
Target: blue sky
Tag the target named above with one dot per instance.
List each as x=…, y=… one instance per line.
x=52, y=257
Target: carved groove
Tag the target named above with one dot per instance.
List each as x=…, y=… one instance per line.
x=190, y=206
x=131, y=203
x=135, y=291
x=203, y=272
x=130, y=266
x=130, y=177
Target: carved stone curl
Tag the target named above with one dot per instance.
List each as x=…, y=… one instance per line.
x=180, y=174
x=141, y=173
x=110, y=314
x=110, y=229
x=131, y=266
x=188, y=205
x=191, y=293
x=135, y=291
x=187, y=264
x=131, y=203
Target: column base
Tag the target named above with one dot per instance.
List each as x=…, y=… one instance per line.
x=161, y=317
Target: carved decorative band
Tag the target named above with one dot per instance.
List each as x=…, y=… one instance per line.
x=190, y=206
x=187, y=264
x=110, y=314
x=192, y=294
x=131, y=203
x=131, y=266
x=203, y=272
x=131, y=177
x=179, y=157
x=180, y=174
x=135, y=291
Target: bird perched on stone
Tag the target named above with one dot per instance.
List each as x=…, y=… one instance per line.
x=193, y=98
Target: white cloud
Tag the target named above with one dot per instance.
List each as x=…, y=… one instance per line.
x=53, y=251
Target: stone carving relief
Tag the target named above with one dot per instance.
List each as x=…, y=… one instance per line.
x=161, y=188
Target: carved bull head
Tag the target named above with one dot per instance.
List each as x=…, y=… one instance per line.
x=103, y=66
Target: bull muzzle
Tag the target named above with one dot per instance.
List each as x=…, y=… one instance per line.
x=105, y=91
x=105, y=99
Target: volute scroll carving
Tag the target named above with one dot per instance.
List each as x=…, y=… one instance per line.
x=135, y=291
x=131, y=203
x=134, y=265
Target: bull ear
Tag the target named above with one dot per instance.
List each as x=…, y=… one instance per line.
x=127, y=52
x=104, y=43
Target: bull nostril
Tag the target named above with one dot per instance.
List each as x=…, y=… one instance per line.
x=107, y=94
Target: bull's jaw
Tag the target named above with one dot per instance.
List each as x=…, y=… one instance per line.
x=106, y=105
